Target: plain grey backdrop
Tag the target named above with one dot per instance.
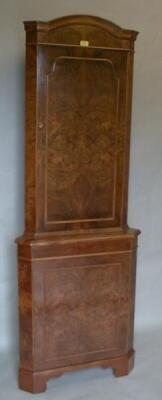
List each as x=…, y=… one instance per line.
x=145, y=185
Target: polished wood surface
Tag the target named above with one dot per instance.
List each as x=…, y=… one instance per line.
x=36, y=382
x=83, y=138
x=77, y=257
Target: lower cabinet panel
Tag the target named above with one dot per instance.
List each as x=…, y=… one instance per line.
x=82, y=308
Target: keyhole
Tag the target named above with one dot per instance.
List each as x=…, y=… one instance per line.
x=41, y=125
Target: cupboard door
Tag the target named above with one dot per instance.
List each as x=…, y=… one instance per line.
x=82, y=308
x=81, y=140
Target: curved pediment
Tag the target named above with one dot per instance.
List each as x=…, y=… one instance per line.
x=72, y=29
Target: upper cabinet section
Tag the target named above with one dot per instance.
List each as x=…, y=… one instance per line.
x=79, y=74
x=72, y=30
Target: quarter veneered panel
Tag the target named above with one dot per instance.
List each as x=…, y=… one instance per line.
x=83, y=309
x=82, y=138
x=75, y=305
x=74, y=34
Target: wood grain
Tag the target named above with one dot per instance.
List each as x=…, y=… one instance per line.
x=77, y=256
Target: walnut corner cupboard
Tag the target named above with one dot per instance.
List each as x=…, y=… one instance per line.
x=77, y=256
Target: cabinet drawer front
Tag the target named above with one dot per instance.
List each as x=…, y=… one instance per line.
x=82, y=308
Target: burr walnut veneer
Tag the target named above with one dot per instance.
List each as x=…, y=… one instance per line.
x=77, y=257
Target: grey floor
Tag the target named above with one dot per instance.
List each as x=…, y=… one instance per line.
x=144, y=383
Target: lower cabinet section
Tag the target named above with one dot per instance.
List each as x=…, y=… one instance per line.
x=76, y=310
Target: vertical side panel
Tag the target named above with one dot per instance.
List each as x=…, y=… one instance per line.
x=25, y=314
x=30, y=139
x=129, y=85
x=133, y=290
